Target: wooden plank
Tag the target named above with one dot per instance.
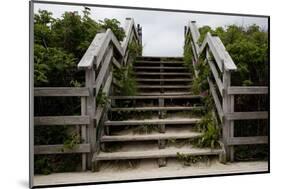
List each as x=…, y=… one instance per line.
x=227, y=108
x=156, y=153
x=61, y=120
x=60, y=149
x=84, y=132
x=158, y=62
x=164, y=86
x=99, y=113
x=247, y=90
x=216, y=100
x=165, y=79
x=158, y=68
x=91, y=112
x=61, y=91
x=104, y=68
x=90, y=55
x=248, y=140
x=164, y=94
x=215, y=52
x=164, y=73
x=228, y=62
x=157, y=108
x=107, y=84
x=246, y=115
x=116, y=63
x=156, y=97
x=216, y=76
x=148, y=137
x=154, y=121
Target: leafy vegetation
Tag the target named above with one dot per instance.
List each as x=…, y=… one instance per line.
x=59, y=44
x=248, y=47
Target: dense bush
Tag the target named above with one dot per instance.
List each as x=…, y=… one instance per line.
x=59, y=44
x=248, y=47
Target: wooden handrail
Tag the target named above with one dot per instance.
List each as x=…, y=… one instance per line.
x=104, y=52
x=97, y=49
x=225, y=65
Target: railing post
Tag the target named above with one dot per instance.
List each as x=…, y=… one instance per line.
x=139, y=29
x=227, y=106
x=91, y=111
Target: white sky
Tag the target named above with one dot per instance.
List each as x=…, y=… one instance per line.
x=162, y=31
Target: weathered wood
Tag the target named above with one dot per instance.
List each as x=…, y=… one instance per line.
x=99, y=112
x=158, y=62
x=216, y=100
x=116, y=63
x=91, y=111
x=229, y=65
x=84, y=132
x=226, y=106
x=164, y=86
x=89, y=57
x=153, y=121
x=61, y=120
x=104, y=68
x=150, y=154
x=156, y=97
x=158, y=68
x=164, y=73
x=97, y=49
x=60, y=149
x=164, y=94
x=216, y=76
x=107, y=85
x=246, y=115
x=248, y=140
x=165, y=79
x=61, y=91
x=157, y=108
x=247, y=90
x=147, y=137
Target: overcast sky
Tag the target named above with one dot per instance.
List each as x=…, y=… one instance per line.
x=163, y=32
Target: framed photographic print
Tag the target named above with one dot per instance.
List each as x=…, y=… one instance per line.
x=121, y=94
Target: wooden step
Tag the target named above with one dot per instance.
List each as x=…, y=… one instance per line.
x=165, y=80
x=158, y=68
x=164, y=94
x=153, y=121
x=170, y=133
x=157, y=108
x=156, y=97
x=168, y=152
x=164, y=86
x=164, y=73
x=158, y=62
x=160, y=57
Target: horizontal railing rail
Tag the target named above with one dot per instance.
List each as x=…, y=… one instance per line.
x=104, y=52
x=221, y=65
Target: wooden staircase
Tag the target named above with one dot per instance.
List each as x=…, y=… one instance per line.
x=161, y=116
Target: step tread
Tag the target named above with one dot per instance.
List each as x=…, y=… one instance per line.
x=164, y=86
x=156, y=108
x=166, y=79
x=158, y=62
x=158, y=67
x=157, y=153
x=156, y=97
x=164, y=94
x=163, y=73
x=169, y=134
x=174, y=120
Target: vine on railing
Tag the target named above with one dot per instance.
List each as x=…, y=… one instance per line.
x=213, y=64
x=104, y=55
